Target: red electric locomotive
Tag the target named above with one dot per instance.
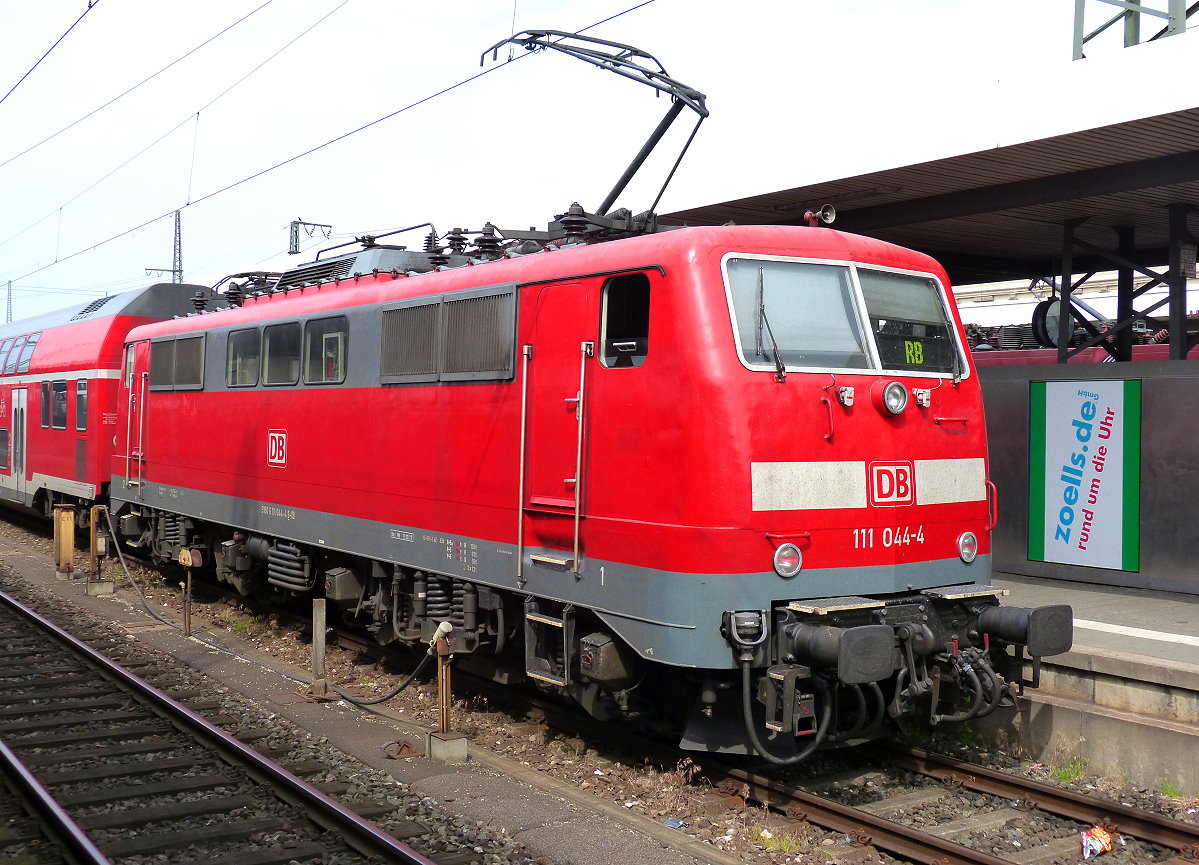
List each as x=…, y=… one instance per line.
x=731, y=477
x=58, y=380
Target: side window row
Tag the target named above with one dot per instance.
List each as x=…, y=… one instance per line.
x=54, y=405
x=279, y=352
x=15, y=352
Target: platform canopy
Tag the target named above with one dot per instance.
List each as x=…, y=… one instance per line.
x=1123, y=197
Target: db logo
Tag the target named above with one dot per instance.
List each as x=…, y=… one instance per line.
x=892, y=484
x=276, y=447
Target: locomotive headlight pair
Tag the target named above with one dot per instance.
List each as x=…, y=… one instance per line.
x=787, y=560
x=890, y=398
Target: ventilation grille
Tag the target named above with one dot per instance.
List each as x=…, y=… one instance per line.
x=476, y=336
x=90, y=308
x=410, y=343
x=322, y=271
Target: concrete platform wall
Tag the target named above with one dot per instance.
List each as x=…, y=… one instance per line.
x=1169, y=525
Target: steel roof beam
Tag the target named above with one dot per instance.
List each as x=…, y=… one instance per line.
x=1109, y=179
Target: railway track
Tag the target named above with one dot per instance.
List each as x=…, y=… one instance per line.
x=139, y=774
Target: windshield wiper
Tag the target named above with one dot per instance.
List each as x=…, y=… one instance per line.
x=780, y=367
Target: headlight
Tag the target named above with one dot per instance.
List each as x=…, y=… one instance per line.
x=787, y=560
x=890, y=398
x=967, y=547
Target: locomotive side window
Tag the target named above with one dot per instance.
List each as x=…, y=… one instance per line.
x=910, y=324
x=4, y=448
x=81, y=405
x=325, y=350
x=794, y=314
x=625, y=328
x=27, y=352
x=281, y=354
x=45, y=405
x=10, y=365
x=58, y=405
x=129, y=366
x=242, y=357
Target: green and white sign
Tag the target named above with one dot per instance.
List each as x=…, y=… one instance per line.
x=1084, y=502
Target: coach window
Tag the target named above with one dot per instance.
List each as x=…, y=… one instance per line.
x=10, y=365
x=325, y=350
x=27, y=352
x=81, y=405
x=242, y=358
x=45, y=405
x=58, y=405
x=4, y=347
x=4, y=448
x=625, y=333
x=281, y=354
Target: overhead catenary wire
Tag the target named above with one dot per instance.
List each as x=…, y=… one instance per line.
x=91, y=4
x=146, y=80
x=178, y=126
x=170, y=213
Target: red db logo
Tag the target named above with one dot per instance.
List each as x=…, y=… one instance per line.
x=276, y=447
x=892, y=484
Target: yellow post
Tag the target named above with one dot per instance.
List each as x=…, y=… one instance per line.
x=444, y=656
x=64, y=540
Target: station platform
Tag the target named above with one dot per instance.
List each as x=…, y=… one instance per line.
x=1132, y=622
x=1125, y=698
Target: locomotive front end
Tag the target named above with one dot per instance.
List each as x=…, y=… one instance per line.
x=868, y=484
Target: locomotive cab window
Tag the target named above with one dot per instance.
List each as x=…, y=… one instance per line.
x=911, y=327
x=242, y=358
x=793, y=314
x=625, y=321
x=281, y=354
x=325, y=350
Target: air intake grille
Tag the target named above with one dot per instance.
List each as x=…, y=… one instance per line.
x=90, y=308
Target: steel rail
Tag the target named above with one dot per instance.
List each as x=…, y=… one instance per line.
x=363, y=836
x=1142, y=825
x=75, y=846
x=865, y=828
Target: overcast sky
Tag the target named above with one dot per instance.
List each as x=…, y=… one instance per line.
x=799, y=91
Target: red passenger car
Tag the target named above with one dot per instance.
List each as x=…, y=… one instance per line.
x=58, y=381
x=731, y=477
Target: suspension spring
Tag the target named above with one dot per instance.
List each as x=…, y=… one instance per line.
x=437, y=600
x=287, y=569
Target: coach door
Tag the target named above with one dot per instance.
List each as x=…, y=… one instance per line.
x=135, y=384
x=555, y=366
x=20, y=427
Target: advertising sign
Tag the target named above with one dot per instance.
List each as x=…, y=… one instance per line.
x=1084, y=480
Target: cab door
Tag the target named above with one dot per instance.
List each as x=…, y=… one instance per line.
x=556, y=366
x=135, y=384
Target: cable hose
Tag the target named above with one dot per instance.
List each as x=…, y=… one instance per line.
x=826, y=715
x=394, y=692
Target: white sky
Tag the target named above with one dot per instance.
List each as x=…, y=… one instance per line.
x=800, y=91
